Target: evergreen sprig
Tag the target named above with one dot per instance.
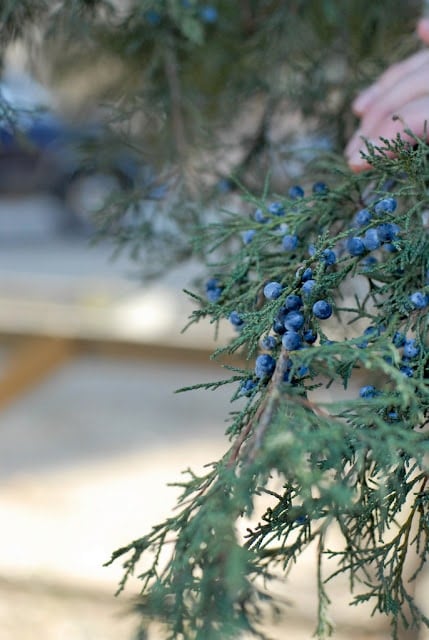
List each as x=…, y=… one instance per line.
x=339, y=420
x=356, y=460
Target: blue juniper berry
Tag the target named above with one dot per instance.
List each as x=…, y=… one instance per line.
x=276, y=209
x=296, y=192
x=248, y=235
x=320, y=188
x=292, y=302
x=386, y=205
x=264, y=366
x=291, y=340
x=308, y=287
x=269, y=343
x=355, y=246
x=322, y=309
x=290, y=242
x=329, y=257
x=371, y=239
x=362, y=218
x=236, y=319
x=419, y=299
x=247, y=388
x=294, y=321
x=272, y=290
x=368, y=391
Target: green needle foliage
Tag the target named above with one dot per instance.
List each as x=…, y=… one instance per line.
x=333, y=435
x=344, y=458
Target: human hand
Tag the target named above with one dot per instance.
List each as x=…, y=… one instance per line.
x=402, y=90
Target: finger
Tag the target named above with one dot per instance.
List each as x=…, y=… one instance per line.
x=354, y=143
x=394, y=72
x=388, y=79
x=413, y=116
x=407, y=89
x=423, y=30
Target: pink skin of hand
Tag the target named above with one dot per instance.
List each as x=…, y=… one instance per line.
x=403, y=91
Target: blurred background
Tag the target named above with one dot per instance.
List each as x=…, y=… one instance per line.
x=91, y=352
x=91, y=429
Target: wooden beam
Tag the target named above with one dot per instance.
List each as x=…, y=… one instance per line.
x=33, y=358
x=30, y=362
x=117, y=348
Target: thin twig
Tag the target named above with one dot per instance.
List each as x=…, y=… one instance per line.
x=265, y=413
x=172, y=74
x=247, y=18
x=243, y=436
x=274, y=395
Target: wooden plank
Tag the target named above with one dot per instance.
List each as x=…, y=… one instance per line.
x=156, y=351
x=118, y=348
x=30, y=362
x=33, y=358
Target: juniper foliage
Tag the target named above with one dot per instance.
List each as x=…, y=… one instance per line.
x=301, y=436
x=356, y=461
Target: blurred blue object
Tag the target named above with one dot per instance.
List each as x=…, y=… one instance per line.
x=43, y=153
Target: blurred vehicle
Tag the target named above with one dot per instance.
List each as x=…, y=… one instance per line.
x=42, y=153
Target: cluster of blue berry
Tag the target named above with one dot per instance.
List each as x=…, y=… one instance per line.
x=293, y=322
x=294, y=325
x=375, y=236
x=381, y=235
x=410, y=351
x=213, y=290
x=385, y=234
x=290, y=241
x=369, y=392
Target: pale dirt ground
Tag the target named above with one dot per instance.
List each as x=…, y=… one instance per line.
x=86, y=455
